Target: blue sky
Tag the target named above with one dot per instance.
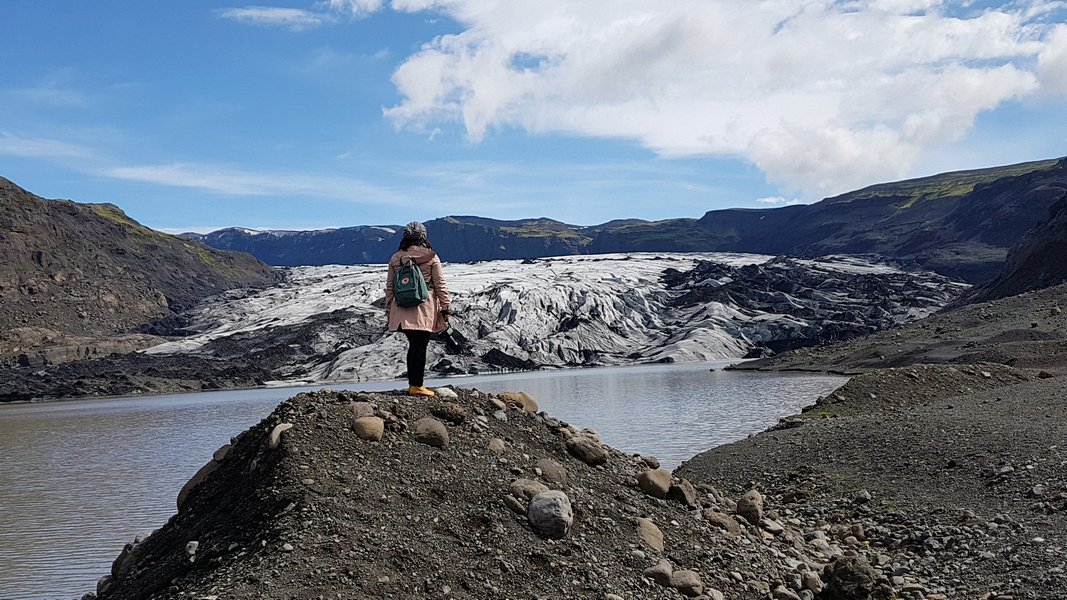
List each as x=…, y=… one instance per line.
x=305, y=114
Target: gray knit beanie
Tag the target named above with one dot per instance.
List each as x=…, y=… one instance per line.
x=415, y=229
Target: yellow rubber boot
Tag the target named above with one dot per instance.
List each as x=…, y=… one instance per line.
x=420, y=391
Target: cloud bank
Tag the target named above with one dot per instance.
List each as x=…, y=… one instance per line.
x=823, y=96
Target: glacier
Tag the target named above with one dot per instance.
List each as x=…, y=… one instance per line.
x=327, y=323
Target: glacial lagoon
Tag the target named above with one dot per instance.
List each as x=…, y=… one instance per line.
x=79, y=479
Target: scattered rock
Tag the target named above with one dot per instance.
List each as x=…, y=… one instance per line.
x=687, y=582
x=369, y=428
x=650, y=534
x=683, y=492
x=496, y=447
x=551, y=471
x=449, y=411
x=550, y=514
x=445, y=392
x=655, y=482
x=527, y=488
x=587, y=450
x=275, y=438
x=431, y=432
x=750, y=506
x=519, y=399
x=660, y=572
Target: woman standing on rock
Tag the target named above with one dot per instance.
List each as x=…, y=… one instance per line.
x=426, y=318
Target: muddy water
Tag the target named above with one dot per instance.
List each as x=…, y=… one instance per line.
x=79, y=479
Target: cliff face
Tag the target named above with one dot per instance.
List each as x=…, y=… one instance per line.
x=957, y=224
x=1038, y=261
x=88, y=269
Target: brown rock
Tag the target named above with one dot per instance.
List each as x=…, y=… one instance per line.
x=655, y=482
x=587, y=450
x=723, y=521
x=527, y=488
x=687, y=582
x=361, y=409
x=551, y=470
x=519, y=399
x=496, y=446
x=660, y=572
x=683, y=492
x=449, y=411
x=651, y=461
x=650, y=534
x=750, y=506
x=369, y=428
x=431, y=432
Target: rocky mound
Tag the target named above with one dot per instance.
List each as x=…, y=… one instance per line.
x=468, y=495
x=88, y=270
x=951, y=476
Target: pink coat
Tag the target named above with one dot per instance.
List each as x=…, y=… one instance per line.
x=426, y=316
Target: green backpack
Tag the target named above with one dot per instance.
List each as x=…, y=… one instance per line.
x=409, y=287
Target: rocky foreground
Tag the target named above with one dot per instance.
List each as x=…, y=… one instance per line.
x=469, y=495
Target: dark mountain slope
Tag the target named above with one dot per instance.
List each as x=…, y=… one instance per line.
x=83, y=269
x=1038, y=261
x=959, y=224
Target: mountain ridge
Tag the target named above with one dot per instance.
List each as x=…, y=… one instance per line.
x=75, y=269
x=960, y=224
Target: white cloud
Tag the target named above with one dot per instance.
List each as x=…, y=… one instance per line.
x=778, y=201
x=300, y=19
x=240, y=182
x=823, y=96
x=37, y=147
x=295, y=19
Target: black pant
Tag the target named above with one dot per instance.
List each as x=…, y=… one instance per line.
x=417, y=342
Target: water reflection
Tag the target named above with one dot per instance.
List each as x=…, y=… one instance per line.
x=79, y=479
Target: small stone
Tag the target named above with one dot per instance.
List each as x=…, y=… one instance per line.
x=275, y=438
x=527, y=488
x=191, y=547
x=221, y=454
x=750, y=506
x=687, y=582
x=650, y=534
x=683, y=492
x=287, y=547
x=587, y=450
x=551, y=471
x=650, y=461
x=811, y=581
x=519, y=399
x=550, y=514
x=194, y=481
x=500, y=415
x=514, y=504
x=431, y=432
x=771, y=526
x=361, y=409
x=655, y=482
x=723, y=521
x=369, y=428
x=660, y=572
x=783, y=593
x=863, y=497
x=449, y=411
x=444, y=392
x=496, y=446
